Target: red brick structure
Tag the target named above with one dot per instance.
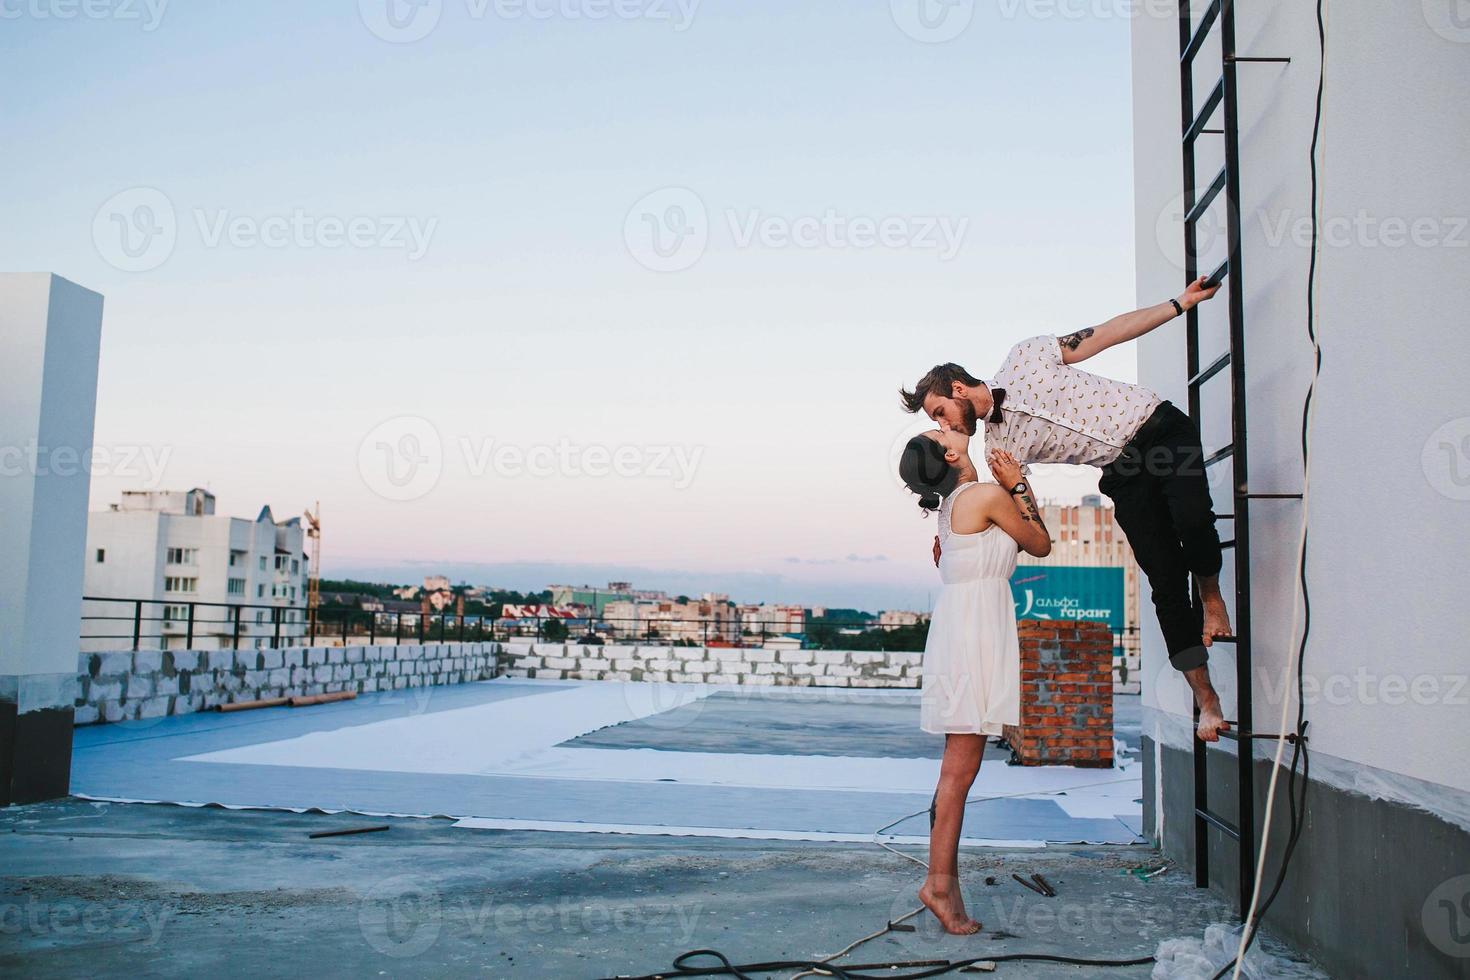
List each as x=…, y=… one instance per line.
x=1066, y=695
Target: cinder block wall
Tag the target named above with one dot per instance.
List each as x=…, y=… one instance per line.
x=124, y=685
x=1066, y=695
x=713, y=665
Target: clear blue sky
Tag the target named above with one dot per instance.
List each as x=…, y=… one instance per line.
x=525, y=314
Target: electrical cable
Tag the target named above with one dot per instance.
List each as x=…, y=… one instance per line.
x=825, y=966
x=1258, y=908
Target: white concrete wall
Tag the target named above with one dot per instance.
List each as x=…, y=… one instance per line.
x=1390, y=501
x=50, y=334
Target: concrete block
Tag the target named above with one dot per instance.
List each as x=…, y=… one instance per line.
x=166, y=685
x=336, y=655
x=830, y=656
x=759, y=680
x=153, y=707
x=725, y=654
x=246, y=660
x=795, y=656
x=147, y=661
x=137, y=686
x=841, y=670
x=183, y=660
x=85, y=714
x=110, y=664
x=857, y=657
x=271, y=659
x=758, y=656
x=316, y=656
x=354, y=655
x=100, y=690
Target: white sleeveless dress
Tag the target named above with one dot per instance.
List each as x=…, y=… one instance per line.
x=972, y=661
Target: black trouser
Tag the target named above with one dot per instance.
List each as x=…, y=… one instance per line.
x=1162, y=502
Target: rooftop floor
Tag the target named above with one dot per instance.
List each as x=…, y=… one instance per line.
x=576, y=831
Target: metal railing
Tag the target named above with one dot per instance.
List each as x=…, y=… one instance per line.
x=140, y=623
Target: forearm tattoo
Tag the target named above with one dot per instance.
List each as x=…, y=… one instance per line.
x=1074, y=340
x=1029, y=513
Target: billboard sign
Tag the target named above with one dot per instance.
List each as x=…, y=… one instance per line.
x=1069, y=592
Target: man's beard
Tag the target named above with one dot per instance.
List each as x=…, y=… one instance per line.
x=968, y=417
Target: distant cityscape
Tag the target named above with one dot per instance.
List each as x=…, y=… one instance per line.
x=164, y=567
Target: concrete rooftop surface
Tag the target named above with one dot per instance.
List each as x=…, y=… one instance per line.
x=568, y=830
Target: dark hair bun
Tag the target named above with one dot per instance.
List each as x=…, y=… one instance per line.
x=926, y=472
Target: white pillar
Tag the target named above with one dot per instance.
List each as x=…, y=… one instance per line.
x=50, y=332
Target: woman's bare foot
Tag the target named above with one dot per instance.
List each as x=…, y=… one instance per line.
x=945, y=901
x=1217, y=618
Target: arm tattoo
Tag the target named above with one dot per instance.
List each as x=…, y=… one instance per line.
x=1074, y=340
x=1029, y=513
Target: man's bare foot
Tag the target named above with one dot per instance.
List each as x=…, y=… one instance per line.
x=948, y=907
x=1211, y=721
x=1217, y=618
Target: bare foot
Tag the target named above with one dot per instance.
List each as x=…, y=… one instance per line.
x=948, y=907
x=1211, y=721
x=1217, y=619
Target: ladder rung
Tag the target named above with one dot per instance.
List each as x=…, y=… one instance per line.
x=1197, y=40
x=1220, y=454
x=1218, y=276
x=1219, y=823
x=1211, y=371
x=1225, y=639
x=1291, y=737
x=1224, y=517
x=1228, y=544
x=1212, y=101
x=1268, y=496
x=1206, y=199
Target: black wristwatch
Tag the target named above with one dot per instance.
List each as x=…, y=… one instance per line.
x=1178, y=310
x=1018, y=488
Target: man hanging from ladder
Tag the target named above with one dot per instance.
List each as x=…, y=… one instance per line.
x=1042, y=409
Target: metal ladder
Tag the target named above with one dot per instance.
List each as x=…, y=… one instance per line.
x=1219, y=16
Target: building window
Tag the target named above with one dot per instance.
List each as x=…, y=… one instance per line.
x=101, y=555
x=259, y=616
x=295, y=565
x=183, y=556
x=237, y=558
x=262, y=563
x=237, y=586
x=260, y=589
x=175, y=614
x=175, y=583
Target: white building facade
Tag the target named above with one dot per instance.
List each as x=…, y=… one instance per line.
x=1377, y=886
x=163, y=564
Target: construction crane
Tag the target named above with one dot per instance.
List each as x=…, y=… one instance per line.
x=314, y=579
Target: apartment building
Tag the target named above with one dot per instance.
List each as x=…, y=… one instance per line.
x=206, y=580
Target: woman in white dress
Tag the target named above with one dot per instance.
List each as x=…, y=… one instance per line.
x=972, y=661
